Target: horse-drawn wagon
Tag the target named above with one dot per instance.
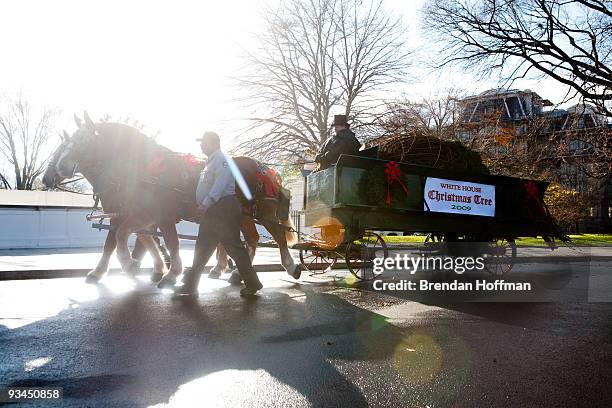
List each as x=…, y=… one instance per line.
x=142, y=184
x=349, y=202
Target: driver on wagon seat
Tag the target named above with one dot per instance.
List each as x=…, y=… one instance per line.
x=343, y=142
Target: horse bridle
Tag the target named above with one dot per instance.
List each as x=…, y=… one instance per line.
x=71, y=148
x=55, y=156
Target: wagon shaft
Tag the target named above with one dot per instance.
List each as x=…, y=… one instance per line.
x=101, y=216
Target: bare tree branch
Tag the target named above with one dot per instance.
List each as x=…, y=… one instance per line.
x=568, y=40
x=316, y=58
x=26, y=140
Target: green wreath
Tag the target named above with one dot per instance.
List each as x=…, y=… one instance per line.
x=373, y=189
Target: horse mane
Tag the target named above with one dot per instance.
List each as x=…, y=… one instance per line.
x=124, y=152
x=120, y=132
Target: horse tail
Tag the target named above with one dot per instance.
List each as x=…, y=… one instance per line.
x=290, y=234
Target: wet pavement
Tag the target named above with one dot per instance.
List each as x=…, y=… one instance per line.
x=87, y=258
x=316, y=342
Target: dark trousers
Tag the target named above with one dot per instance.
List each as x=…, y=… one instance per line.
x=221, y=224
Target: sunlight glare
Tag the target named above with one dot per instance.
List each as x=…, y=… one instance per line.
x=119, y=284
x=36, y=363
x=46, y=299
x=238, y=388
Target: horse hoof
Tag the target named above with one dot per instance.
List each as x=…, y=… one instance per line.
x=297, y=272
x=214, y=274
x=166, y=282
x=92, y=279
x=156, y=277
x=132, y=269
x=235, y=278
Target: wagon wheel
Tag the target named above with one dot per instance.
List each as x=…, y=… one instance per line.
x=318, y=261
x=361, y=253
x=433, y=237
x=433, y=241
x=499, y=257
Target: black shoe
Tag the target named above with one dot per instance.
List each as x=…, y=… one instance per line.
x=156, y=277
x=186, y=291
x=250, y=290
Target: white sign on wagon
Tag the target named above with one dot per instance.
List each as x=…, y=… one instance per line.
x=459, y=197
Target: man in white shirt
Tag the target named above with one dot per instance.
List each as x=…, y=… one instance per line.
x=219, y=222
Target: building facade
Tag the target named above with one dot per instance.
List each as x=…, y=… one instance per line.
x=575, y=141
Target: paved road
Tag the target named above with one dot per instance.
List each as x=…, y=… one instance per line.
x=315, y=342
x=65, y=258
x=87, y=258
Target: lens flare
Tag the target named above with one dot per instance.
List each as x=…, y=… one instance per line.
x=239, y=179
x=378, y=322
x=332, y=232
x=417, y=358
x=349, y=280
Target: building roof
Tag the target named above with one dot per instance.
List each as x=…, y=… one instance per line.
x=582, y=108
x=505, y=93
x=556, y=113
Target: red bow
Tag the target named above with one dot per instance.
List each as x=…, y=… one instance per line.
x=156, y=166
x=393, y=173
x=533, y=194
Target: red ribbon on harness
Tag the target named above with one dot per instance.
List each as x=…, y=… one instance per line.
x=190, y=160
x=270, y=182
x=393, y=173
x=156, y=166
x=533, y=195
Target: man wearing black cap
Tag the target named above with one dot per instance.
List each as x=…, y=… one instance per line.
x=344, y=142
x=220, y=214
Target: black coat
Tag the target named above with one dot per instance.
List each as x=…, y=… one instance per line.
x=344, y=142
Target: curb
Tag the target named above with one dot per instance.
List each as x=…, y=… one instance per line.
x=77, y=273
x=81, y=273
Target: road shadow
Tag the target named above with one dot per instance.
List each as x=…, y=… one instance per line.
x=550, y=283
x=140, y=347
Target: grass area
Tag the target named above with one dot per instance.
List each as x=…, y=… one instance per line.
x=577, y=239
x=404, y=240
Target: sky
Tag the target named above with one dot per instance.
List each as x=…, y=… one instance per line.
x=166, y=64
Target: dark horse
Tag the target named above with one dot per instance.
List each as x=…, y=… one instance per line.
x=144, y=184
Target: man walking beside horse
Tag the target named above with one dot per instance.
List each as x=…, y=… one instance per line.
x=220, y=213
